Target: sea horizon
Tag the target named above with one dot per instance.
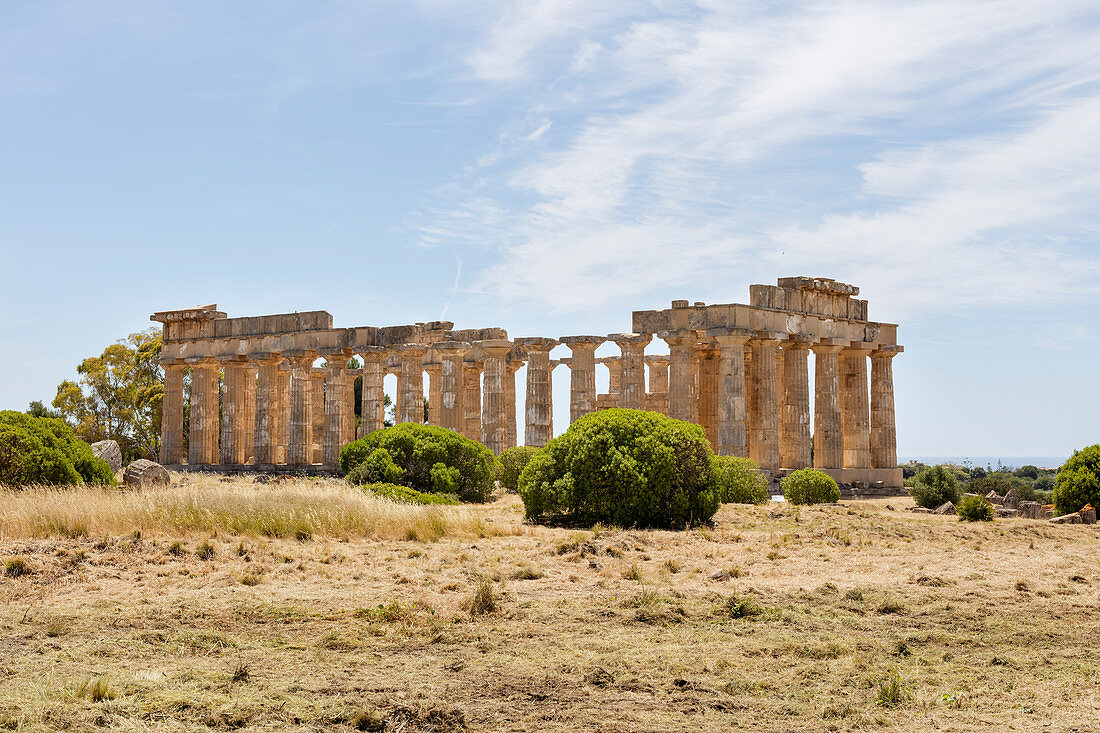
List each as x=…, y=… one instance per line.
x=990, y=461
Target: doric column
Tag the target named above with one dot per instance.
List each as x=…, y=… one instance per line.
x=451, y=413
x=855, y=419
x=471, y=398
x=372, y=410
x=731, y=391
x=435, y=389
x=794, y=404
x=411, y=388
x=681, y=377
x=511, y=366
x=317, y=408
x=539, y=424
x=248, y=420
x=764, y=432
x=282, y=415
x=707, y=388
x=582, y=374
x=171, y=420
x=267, y=407
x=494, y=427
x=614, y=366
x=828, y=441
x=234, y=429
x=884, y=447
x=658, y=373
x=632, y=362
x=299, y=449
x=336, y=433
x=202, y=447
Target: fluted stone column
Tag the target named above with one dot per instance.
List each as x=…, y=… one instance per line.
x=732, y=438
x=539, y=424
x=828, y=435
x=267, y=407
x=234, y=428
x=282, y=420
x=614, y=366
x=205, y=423
x=582, y=374
x=854, y=409
x=299, y=449
x=794, y=411
x=884, y=448
x=372, y=410
x=764, y=432
x=336, y=433
x=248, y=427
x=411, y=388
x=510, y=434
x=658, y=373
x=317, y=408
x=632, y=362
x=494, y=426
x=681, y=378
x=451, y=412
x=707, y=387
x=435, y=390
x=471, y=399
x=171, y=421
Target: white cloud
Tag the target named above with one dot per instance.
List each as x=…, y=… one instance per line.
x=955, y=142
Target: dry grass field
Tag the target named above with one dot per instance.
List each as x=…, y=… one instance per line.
x=216, y=605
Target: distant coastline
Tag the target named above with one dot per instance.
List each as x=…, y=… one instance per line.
x=987, y=461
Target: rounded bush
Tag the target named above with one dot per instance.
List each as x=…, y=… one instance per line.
x=625, y=468
x=1078, y=481
x=974, y=509
x=426, y=458
x=510, y=464
x=935, y=486
x=740, y=481
x=807, y=486
x=408, y=496
x=42, y=450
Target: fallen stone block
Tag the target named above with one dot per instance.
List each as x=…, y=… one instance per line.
x=1073, y=518
x=142, y=473
x=1088, y=515
x=920, y=510
x=945, y=508
x=994, y=498
x=1030, y=509
x=1011, y=500
x=1006, y=513
x=109, y=451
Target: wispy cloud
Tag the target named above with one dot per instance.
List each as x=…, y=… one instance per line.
x=950, y=143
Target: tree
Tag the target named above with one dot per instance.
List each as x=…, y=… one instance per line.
x=1078, y=481
x=37, y=409
x=118, y=396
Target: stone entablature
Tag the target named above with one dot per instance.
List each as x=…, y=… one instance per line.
x=739, y=371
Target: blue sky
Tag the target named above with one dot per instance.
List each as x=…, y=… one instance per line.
x=549, y=166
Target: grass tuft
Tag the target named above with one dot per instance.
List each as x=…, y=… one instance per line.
x=483, y=600
x=17, y=566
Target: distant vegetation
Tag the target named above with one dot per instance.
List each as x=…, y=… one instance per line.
x=1030, y=482
x=43, y=450
x=1078, y=482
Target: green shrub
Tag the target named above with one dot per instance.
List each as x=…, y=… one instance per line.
x=426, y=458
x=409, y=496
x=808, y=486
x=975, y=509
x=42, y=450
x=935, y=486
x=1000, y=482
x=1078, y=481
x=510, y=464
x=740, y=481
x=625, y=468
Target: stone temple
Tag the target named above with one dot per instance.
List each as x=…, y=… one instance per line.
x=739, y=371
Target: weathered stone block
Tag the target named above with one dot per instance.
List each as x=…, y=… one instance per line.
x=1073, y=518
x=109, y=451
x=1030, y=509
x=142, y=474
x=994, y=498
x=946, y=508
x=1005, y=513
x=1088, y=515
x=1011, y=500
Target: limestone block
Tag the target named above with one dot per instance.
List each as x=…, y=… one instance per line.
x=1011, y=500
x=994, y=498
x=1088, y=515
x=946, y=508
x=1029, y=509
x=109, y=451
x=1005, y=513
x=1072, y=518
x=143, y=474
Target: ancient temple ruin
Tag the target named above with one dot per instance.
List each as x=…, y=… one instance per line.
x=739, y=371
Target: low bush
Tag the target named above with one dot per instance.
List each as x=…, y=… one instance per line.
x=43, y=450
x=407, y=495
x=740, y=481
x=510, y=464
x=1078, y=481
x=935, y=486
x=808, y=486
x=625, y=468
x=974, y=509
x=426, y=458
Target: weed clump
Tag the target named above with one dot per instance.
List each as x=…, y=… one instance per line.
x=890, y=691
x=15, y=567
x=96, y=689
x=483, y=600
x=742, y=607
x=205, y=551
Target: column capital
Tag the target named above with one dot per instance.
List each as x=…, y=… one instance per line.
x=300, y=358
x=630, y=338
x=498, y=348
x=412, y=350
x=337, y=353
x=170, y=363
x=797, y=342
x=768, y=338
x=658, y=360
x=730, y=336
x=678, y=337
x=575, y=342
x=858, y=348
x=829, y=346
x=232, y=359
x=372, y=354
x=434, y=367
x=537, y=343
x=887, y=352
x=201, y=362
x=451, y=348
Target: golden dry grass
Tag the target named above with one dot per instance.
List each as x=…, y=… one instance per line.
x=851, y=617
